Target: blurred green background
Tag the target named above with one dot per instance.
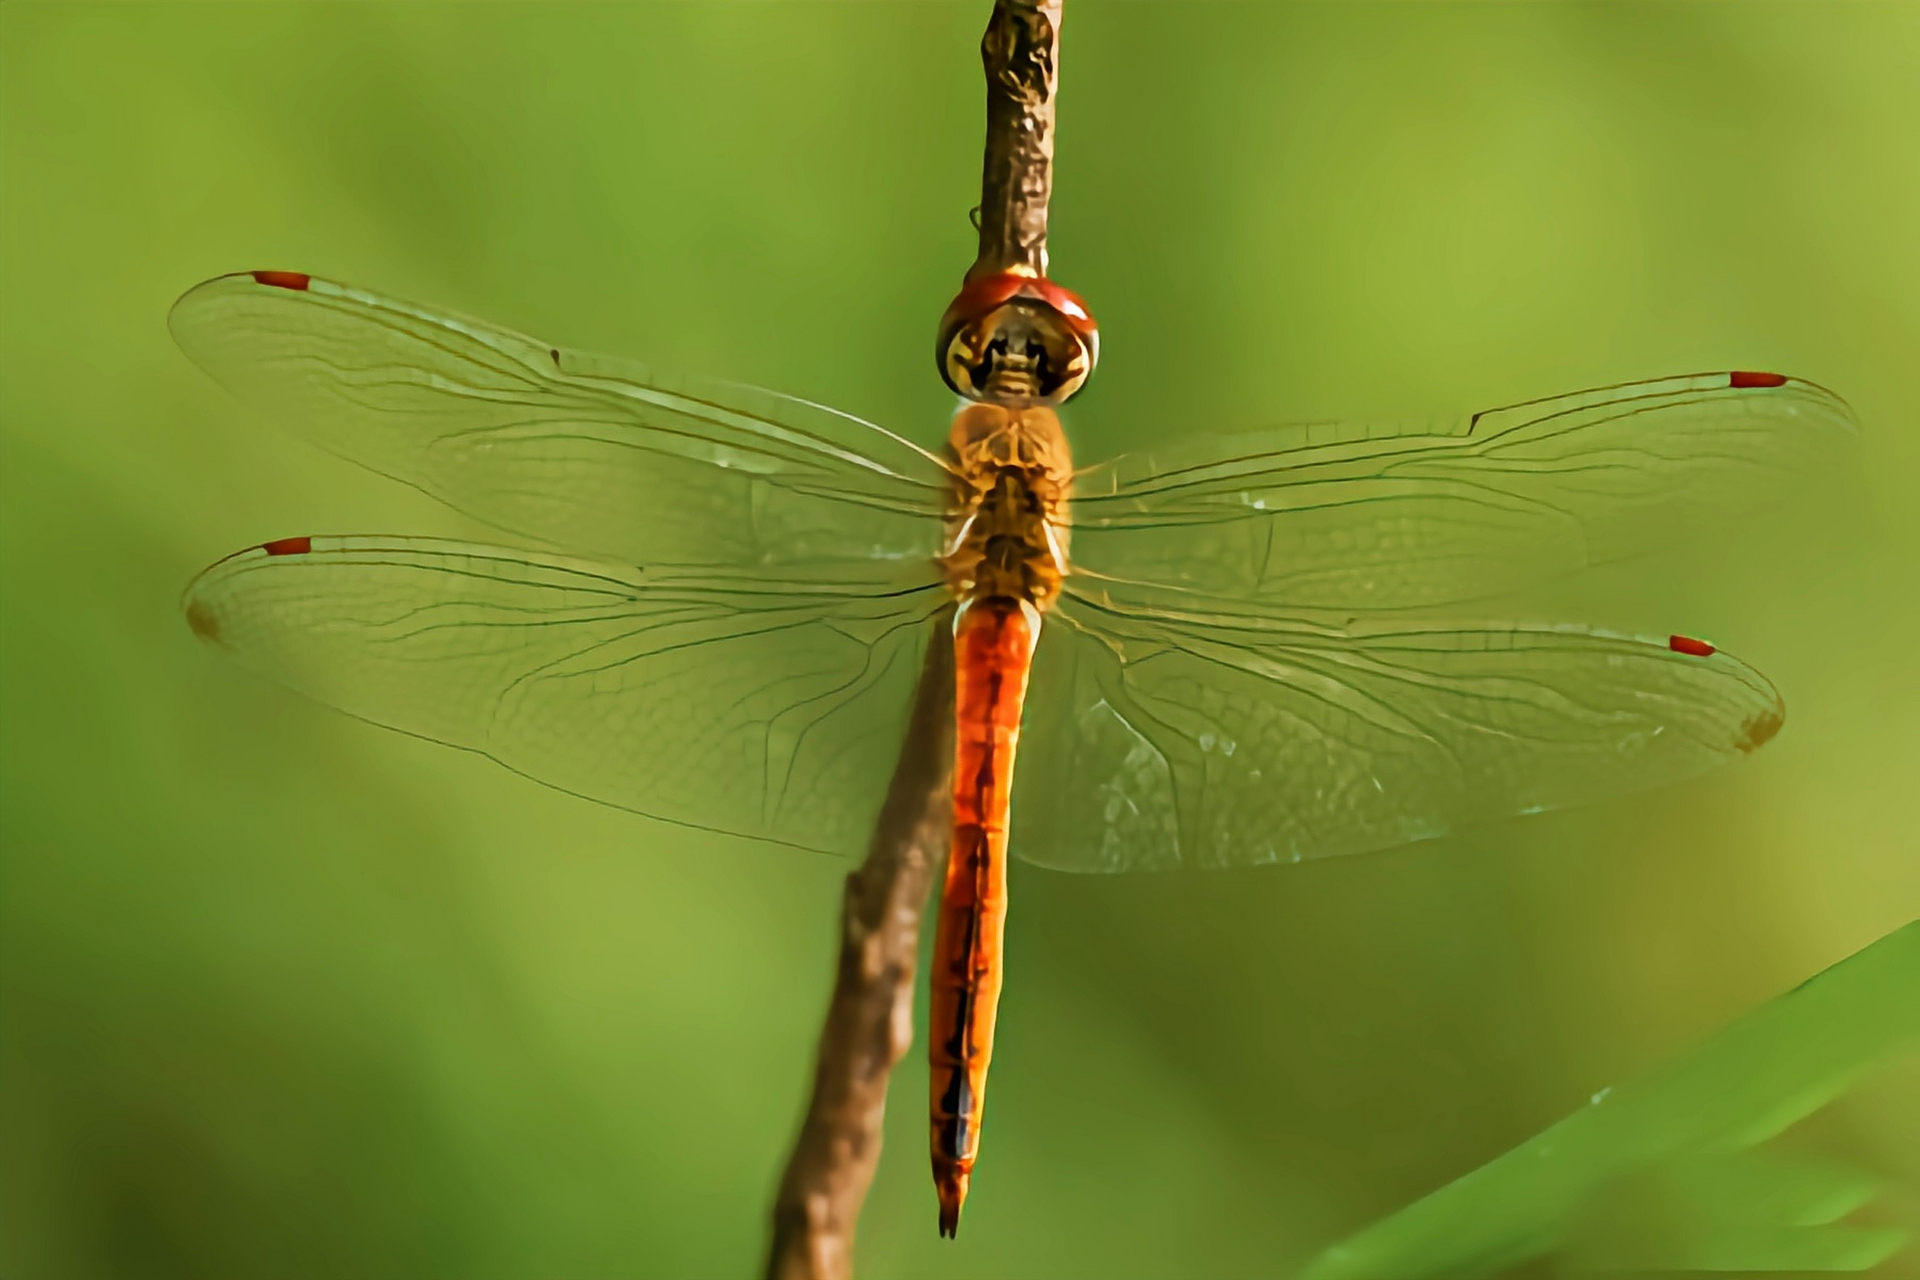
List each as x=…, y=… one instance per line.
x=287, y=995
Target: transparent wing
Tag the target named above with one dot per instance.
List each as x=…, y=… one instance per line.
x=1158, y=738
x=769, y=709
x=586, y=453
x=1387, y=516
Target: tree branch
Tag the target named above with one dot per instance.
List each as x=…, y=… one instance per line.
x=869, y=1024
x=1021, y=53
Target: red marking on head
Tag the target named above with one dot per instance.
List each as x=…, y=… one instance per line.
x=1067, y=303
x=287, y=546
x=295, y=280
x=977, y=297
x=1688, y=645
x=1748, y=378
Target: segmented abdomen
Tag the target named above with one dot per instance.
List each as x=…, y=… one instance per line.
x=993, y=650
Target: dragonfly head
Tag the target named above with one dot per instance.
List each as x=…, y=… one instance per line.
x=1013, y=337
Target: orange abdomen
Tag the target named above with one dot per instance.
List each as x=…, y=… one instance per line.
x=993, y=651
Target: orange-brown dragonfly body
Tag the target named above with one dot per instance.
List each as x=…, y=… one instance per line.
x=993, y=652
x=1005, y=563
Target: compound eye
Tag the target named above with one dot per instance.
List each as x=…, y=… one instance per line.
x=1015, y=339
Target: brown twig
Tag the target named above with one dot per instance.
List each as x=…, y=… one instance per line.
x=1021, y=52
x=870, y=1016
x=869, y=1023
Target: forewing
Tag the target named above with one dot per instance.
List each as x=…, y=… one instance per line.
x=586, y=453
x=767, y=708
x=1158, y=739
x=1354, y=516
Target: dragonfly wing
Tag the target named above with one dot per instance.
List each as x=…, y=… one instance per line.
x=770, y=708
x=586, y=453
x=1388, y=516
x=1158, y=738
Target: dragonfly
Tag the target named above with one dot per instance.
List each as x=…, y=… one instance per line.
x=1228, y=650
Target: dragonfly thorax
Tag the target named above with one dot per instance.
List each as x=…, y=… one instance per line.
x=1006, y=530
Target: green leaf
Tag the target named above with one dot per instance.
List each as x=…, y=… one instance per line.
x=1659, y=1173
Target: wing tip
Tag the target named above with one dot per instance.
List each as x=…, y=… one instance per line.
x=202, y=619
x=182, y=314
x=1708, y=380
x=1761, y=727
x=1763, y=380
x=289, y=281
x=1758, y=728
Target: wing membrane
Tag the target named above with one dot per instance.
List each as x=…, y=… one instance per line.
x=1164, y=738
x=583, y=452
x=772, y=709
x=1387, y=516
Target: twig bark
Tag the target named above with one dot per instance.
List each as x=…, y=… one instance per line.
x=870, y=1016
x=869, y=1023
x=1021, y=53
